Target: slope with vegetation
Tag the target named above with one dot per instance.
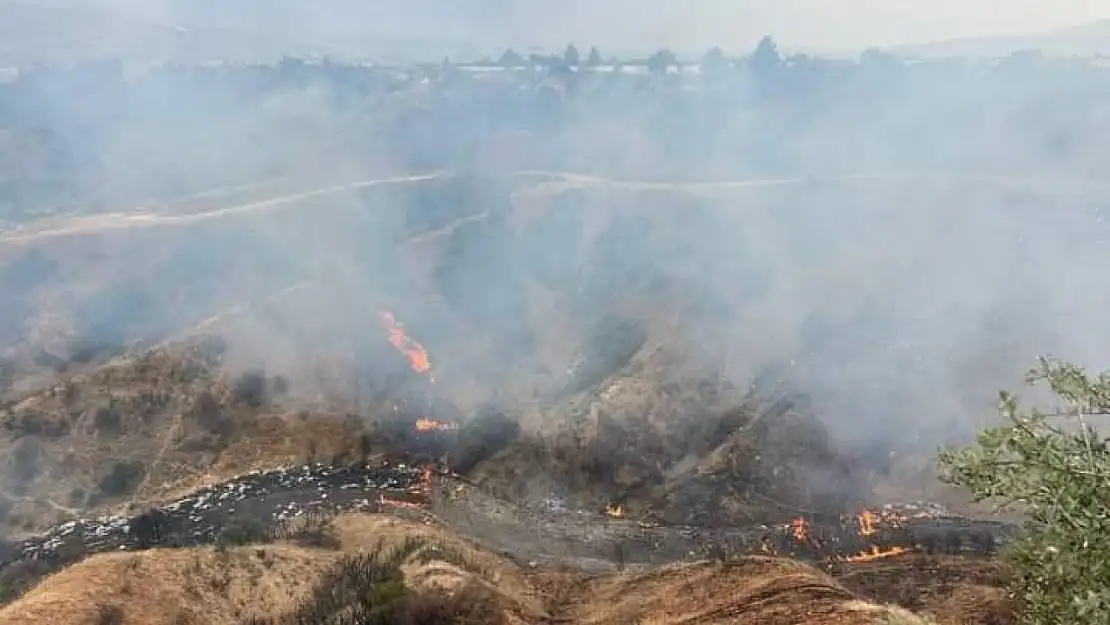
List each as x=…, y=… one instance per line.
x=383, y=570
x=577, y=331
x=1053, y=465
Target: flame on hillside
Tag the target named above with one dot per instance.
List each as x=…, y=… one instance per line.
x=799, y=528
x=415, y=352
x=617, y=512
x=877, y=553
x=424, y=424
x=867, y=520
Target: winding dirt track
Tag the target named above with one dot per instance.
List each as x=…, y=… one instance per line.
x=550, y=181
x=121, y=221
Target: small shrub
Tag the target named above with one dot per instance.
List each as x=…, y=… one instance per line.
x=369, y=589
x=35, y=423
x=367, y=586
x=72, y=549
x=109, y=614
x=365, y=446
x=209, y=415
x=250, y=388
x=314, y=529
x=242, y=533
x=22, y=575
x=106, y=420
x=149, y=527
x=123, y=478
x=25, y=461
x=473, y=604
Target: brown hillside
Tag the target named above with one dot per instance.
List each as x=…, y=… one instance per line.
x=218, y=587
x=142, y=427
x=764, y=591
x=172, y=586
x=616, y=367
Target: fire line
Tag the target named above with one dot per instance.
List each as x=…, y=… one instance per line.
x=415, y=352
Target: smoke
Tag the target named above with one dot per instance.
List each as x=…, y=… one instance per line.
x=896, y=240
x=432, y=28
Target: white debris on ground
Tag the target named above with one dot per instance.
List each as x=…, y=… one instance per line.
x=261, y=497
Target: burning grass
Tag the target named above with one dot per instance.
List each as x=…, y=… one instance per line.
x=413, y=351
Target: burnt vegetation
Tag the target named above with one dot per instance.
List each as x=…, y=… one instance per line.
x=483, y=435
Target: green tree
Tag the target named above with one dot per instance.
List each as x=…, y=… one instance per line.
x=765, y=59
x=1055, y=467
x=659, y=62
x=571, y=56
x=511, y=59
x=594, y=58
x=713, y=62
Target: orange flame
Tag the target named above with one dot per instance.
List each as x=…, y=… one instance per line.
x=867, y=520
x=799, y=528
x=617, y=512
x=877, y=554
x=415, y=352
x=397, y=503
x=424, y=424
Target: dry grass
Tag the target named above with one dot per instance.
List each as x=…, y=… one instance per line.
x=755, y=590
x=224, y=587
x=976, y=604
x=462, y=562
x=173, y=587
x=950, y=587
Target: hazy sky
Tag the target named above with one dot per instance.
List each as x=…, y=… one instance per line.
x=627, y=24
x=809, y=23
x=848, y=22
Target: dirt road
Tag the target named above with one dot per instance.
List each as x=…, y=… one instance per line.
x=553, y=181
x=121, y=221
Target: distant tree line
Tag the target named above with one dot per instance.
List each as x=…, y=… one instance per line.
x=99, y=135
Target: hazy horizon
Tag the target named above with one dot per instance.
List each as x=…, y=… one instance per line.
x=692, y=25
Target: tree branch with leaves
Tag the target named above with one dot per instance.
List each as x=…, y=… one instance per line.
x=1053, y=466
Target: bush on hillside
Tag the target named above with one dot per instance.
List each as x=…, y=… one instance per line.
x=121, y=479
x=1056, y=467
x=368, y=588
x=251, y=388
x=243, y=532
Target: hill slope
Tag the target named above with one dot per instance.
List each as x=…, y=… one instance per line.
x=230, y=586
x=1085, y=40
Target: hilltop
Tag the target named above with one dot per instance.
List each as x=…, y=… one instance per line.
x=1085, y=40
